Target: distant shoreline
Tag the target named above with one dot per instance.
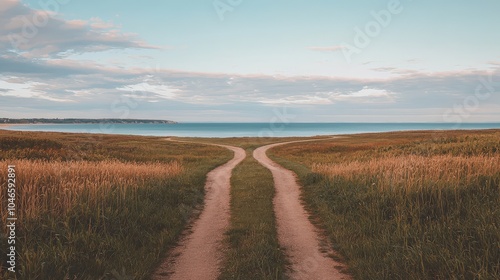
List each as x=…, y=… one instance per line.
x=38, y=121
x=222, y=130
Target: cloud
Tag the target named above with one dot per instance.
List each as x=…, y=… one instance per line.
x=81, y=87
x=159, y=90
x=8, y=4
x=299, y=100
x=328, y=49
x=16, y=65
x=28, y=90
x=365, y=95
x=368, y=95
x=97, y=23
x=38, y=33
x=193, y=87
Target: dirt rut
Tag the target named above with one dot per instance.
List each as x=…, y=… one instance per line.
x=200, y=252
x=299, y=237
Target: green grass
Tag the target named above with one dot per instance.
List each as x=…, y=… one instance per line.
x=412, y=230
x=254, y=252
x=130, y=232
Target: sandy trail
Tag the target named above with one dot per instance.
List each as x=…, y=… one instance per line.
x=200, y=252
x=299, y=237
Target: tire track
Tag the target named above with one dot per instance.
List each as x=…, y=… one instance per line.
x=200, y=252
x=299, y=237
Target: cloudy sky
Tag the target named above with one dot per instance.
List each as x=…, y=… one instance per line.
x=246, y=60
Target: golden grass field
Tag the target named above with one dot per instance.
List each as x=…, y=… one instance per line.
x=402, y=205
x=406, y=205
x=56, y=187
x=99, y=206
x=404, y=173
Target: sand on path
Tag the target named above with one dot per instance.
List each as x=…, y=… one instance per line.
x=296, y=234
x=201, y=251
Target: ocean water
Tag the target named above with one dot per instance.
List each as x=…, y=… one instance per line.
x=247, y=129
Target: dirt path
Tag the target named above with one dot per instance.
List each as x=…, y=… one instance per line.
x=299, y=237
x=199, y=254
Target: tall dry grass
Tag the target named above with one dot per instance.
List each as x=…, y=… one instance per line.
x=55, y=187
x=407, y=205
x=409, y=172
x=89, y=205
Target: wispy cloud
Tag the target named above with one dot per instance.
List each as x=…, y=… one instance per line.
x=328, y=49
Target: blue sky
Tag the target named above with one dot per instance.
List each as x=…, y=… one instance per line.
x=243, y=60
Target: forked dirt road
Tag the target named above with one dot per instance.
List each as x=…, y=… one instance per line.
x=296, y=234
x=201, y=251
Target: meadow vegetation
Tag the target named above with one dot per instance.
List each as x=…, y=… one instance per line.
x=100, y=206
x=407, y=205
x=254, y=251
x=252, y=241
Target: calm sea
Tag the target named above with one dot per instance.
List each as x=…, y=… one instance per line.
x=247, y=129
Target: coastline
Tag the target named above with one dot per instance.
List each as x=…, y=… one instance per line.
x=225, y=130
x=229, y=130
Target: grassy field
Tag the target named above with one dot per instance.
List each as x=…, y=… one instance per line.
x=99, y=207
x=254, y=252
x=408, y=205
